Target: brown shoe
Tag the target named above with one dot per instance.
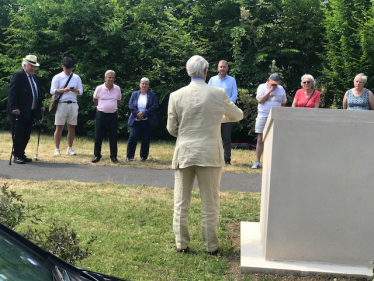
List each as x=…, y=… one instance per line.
x=214, y=253
x=187, y=250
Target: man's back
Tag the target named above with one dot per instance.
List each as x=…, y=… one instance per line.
x=195, y=115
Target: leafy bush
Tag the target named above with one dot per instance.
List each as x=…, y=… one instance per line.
x=248, y=103
x=155, y=39
x=348, y=49
x=13, y=211
x=61, y=241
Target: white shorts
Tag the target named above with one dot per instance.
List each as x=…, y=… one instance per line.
x=260, y=124
x=67, y=112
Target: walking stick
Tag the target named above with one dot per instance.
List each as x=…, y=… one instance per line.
x=14, y=136
x=40, y=129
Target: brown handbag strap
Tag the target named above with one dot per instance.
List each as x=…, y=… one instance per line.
x=67, y=82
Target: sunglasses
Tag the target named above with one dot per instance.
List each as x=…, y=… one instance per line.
x=274, y=84
x=306, y=82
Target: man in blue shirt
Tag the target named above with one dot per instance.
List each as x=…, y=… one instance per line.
x=222, y=80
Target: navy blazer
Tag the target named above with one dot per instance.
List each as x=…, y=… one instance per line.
x=150, y=112
x=20, y=94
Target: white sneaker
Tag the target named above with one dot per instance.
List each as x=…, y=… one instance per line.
x=70, y=151
x=57, y=151
x=256, y=165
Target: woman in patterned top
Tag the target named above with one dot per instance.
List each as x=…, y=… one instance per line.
x=359, y=98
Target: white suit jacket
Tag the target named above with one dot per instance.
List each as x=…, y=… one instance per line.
x=195, y=115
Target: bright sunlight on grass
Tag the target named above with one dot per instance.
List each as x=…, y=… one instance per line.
x=160, y=154
x=134, y=227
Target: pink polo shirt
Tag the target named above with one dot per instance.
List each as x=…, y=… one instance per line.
x=107, y=99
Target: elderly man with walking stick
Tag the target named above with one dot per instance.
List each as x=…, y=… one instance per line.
x=24, y=104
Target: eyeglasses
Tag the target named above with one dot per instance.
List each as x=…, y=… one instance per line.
x=306, y=82
x=274, y=85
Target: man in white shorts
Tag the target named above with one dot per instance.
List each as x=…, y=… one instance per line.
x=67, y=110
x=268, y=95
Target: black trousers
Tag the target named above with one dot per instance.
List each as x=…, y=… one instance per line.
x=139, y=129
x=21, y=131
x=226, y=139
x=106, y=123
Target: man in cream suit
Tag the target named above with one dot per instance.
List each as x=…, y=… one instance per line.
x=195, y=114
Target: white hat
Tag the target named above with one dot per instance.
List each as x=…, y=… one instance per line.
x=31, y=59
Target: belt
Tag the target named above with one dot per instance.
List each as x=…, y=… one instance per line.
x=69, y=101
x=106, y=112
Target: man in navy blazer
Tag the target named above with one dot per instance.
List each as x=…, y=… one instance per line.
x=24, y=103
x=142, y=120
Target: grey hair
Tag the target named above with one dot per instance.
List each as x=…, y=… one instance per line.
x=24, y=63
x=144, y=79
x=363, y=77
x=109, y=71
x=225, y=61
x=196, y=66
x=311, y=78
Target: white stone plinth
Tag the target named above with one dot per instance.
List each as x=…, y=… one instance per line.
x=317, y=189
x=252, y=259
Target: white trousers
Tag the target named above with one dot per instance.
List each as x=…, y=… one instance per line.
x=209, y=179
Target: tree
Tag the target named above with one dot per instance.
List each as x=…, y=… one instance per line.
x=134, y=39
x=347, y=51
x=286, y=31
x=7, y=7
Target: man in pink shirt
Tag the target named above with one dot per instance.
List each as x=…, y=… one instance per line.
x=107, y=98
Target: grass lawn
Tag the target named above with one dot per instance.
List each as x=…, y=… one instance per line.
x=134, y=229
x=160, y=154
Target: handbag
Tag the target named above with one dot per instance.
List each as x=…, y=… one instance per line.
x=55, y=99
x=309, y=98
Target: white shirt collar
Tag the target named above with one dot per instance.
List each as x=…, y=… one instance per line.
x=66, y=75
x=28, y=75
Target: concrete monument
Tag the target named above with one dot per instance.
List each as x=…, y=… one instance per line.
x=317, y=195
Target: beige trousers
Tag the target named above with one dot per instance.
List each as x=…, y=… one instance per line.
x=209, y=179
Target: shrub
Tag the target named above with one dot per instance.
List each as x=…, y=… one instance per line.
x=61, y=241
x=248, y=103
x=13, y=211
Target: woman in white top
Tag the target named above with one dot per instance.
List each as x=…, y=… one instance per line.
x=142, y=120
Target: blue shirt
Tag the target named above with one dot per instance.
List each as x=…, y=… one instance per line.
x=228, y=83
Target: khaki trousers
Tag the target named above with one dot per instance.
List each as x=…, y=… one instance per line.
x=209, y=179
